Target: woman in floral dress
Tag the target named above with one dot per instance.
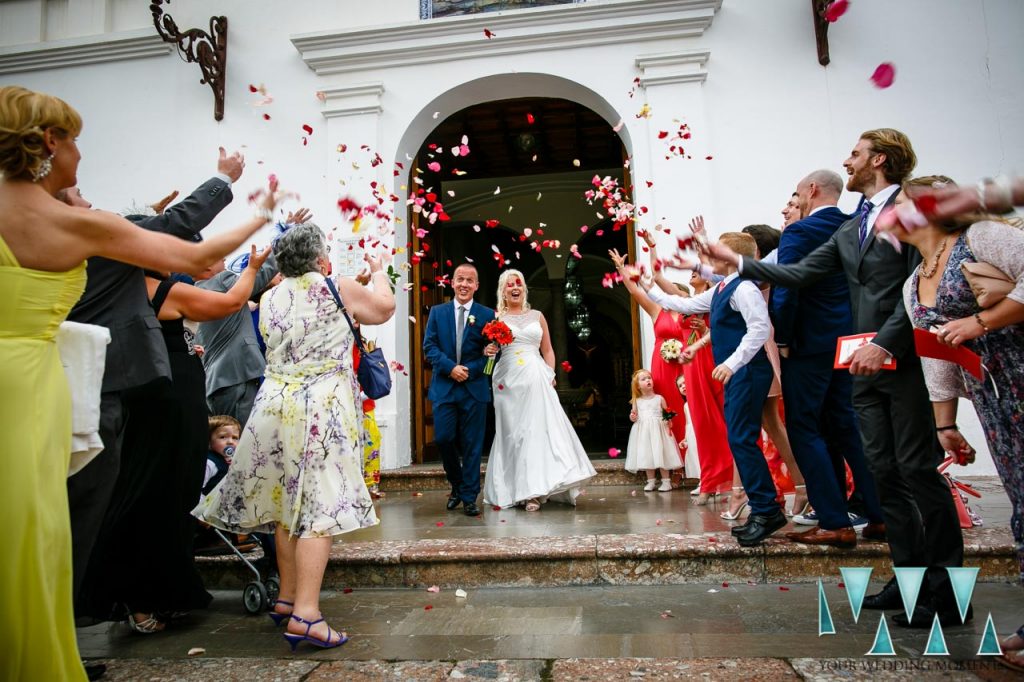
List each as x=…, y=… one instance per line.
x=298, y=467
x=938, y=297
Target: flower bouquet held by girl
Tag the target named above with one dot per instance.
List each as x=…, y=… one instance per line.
x=497, y=332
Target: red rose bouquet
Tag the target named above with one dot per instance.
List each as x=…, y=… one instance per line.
x=497, y=332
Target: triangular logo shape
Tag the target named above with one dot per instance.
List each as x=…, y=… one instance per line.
x=989, y=640
x=963, y=580
x=882, y=646
x=856, y=580
x=909, y=580
x=825, y=624
x=936, y=640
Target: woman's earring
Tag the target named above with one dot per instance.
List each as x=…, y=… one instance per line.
x=44, y=169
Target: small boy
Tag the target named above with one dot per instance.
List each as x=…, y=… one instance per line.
x=224, y=434
x=739, y=329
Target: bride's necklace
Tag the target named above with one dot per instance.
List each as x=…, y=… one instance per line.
x=928, y=273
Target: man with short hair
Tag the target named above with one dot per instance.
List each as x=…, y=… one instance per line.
x=892, y=405
x=819, y=409
x=459, y=390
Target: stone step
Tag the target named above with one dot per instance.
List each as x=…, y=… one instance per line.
x=423, y=477
x=613, y=559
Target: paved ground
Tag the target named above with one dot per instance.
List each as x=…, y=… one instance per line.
x=417, y=633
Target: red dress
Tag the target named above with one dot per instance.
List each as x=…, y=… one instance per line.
x=665, y=374
x=706, y=398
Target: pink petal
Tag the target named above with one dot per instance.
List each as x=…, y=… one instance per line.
x=614, y=452
x=434, y=166
x=884, y=75
x=836, y=10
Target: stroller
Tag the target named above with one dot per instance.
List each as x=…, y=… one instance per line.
x=261, y=592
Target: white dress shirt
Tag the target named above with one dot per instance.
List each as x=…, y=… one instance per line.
x=747, y=300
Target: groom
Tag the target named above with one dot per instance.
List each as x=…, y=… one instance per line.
x=459, y=390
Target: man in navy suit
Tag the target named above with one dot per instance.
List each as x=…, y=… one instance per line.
x=459, y=390
x=818, y=398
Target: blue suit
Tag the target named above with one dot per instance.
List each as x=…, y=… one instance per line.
x=819, y=406
x=460, y=408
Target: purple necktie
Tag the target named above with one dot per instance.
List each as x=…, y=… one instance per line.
x=865, y=211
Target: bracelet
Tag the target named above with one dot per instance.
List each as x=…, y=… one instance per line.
x=981, y=323
x=951, y=427
x=264, y=213
x=1002, y=183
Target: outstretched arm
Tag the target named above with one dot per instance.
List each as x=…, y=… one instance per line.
x=638, y=294
x=202, y=305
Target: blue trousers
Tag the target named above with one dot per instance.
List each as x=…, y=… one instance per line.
x=819, y=414
x=744, y=399
x=459, y=430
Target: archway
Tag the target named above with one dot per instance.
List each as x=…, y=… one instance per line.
x=521, y=187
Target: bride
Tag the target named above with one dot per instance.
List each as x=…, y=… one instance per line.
x=536, y=455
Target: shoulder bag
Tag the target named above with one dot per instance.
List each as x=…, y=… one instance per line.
x=373, y=374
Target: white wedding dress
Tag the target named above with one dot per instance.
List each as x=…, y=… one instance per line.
x=535, y=453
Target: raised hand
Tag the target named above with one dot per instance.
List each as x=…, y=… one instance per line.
x=231, y=166
x=697, y=226
x=298, y=216
x=721, y=252
x=618, y=260
x=258, y=258
x=162, y=204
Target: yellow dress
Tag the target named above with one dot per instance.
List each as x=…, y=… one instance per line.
x=37, y=632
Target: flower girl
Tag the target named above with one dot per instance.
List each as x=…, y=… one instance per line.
x=650, y=444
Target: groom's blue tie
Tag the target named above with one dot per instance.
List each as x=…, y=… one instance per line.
x=460, y=325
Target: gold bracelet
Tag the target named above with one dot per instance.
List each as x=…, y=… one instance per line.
x=981, y=323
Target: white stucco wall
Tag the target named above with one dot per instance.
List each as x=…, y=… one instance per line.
x=767, y=112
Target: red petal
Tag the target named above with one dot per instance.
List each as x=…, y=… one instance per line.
x=884, y=75
x=566, y=366
x=926, y=204
x=530, y=119
x=836, y=10
x=496, y=508
x=427, y=607
x=347, y=590
x=662, y=135
x=490, y=34
x=266, y=117
x=783, y=589
x=307, y=128
x=439, y=524
x=253, y=88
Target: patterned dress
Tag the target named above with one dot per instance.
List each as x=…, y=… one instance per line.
x=999, y=399
x=299, y=462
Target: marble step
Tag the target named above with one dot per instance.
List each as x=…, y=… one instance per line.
x=423, y=477
x=607, y=559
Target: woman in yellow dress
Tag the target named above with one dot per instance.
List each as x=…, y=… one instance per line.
x=43, y=247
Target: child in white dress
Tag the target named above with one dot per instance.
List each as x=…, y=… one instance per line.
x=651, y=446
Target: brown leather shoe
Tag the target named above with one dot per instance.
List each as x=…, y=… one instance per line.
x=874, y=531
x=843, y=537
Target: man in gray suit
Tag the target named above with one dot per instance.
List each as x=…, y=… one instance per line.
x=232, y=357
x=115, y=297
x=893, y=409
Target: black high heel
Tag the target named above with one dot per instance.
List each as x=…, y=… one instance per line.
x=294, y=639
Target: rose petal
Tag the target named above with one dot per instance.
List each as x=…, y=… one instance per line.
x=347, y=590
x=460, y=593
x=884, y=75
x=428, y=607
x=836, y=10
x=614, y=452
x=433, y=588
x=439, y=524
x=196, y=651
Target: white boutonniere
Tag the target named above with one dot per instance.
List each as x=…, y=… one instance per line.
x=472, y=320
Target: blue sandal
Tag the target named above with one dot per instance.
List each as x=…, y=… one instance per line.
x=279, y=618
x=294, y=639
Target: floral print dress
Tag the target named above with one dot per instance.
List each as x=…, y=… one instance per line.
x=999, y=399
x=299, y=462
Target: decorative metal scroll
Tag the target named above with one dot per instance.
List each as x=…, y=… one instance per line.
x=818, y=8
x=209, y=50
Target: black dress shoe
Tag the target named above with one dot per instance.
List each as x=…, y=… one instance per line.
x=740, y=529
x=759, y=527
x=453, y=502
x=924, y=616
x=471, y=509
x=888, y=598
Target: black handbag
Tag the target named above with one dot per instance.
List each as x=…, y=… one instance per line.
x=373, y=374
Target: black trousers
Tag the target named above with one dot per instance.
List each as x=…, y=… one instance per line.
x=898, y=432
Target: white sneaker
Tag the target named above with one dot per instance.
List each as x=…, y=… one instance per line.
x=651, y=483
x=696, y=489
x=666, y=486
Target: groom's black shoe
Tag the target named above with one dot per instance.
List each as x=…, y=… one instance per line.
x=453, y=502
x=888, y=598
x=471, y=509
x=759, y=527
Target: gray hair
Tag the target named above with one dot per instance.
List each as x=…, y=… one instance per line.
x=298, y=249
x=829, y=181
